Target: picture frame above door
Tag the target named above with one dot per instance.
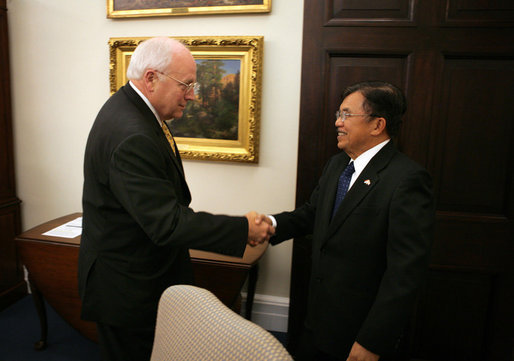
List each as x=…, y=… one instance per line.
x=136, y=8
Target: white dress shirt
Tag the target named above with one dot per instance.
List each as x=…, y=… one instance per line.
x=362, y=160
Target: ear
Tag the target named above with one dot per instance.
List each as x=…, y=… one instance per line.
x=149, y=79
x=379, y=126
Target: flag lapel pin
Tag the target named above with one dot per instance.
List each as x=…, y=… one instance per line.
x=367, y=182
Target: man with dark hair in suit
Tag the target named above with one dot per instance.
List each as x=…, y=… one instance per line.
x=371, y=217
x=137, y=226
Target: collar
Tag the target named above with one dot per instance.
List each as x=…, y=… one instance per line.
x=362, y=160
x=145, y=99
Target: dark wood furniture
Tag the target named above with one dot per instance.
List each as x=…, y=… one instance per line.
x=12, y=285
x=52, y=266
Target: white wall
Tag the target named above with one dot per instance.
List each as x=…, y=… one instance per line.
x=60, y=79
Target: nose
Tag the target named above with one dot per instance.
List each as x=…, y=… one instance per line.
x=339, y=122
x=190, y=95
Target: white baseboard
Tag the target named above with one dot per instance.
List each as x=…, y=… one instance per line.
x=269, y=312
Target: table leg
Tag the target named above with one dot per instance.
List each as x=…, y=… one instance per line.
x=41, y=311
x=252, y=281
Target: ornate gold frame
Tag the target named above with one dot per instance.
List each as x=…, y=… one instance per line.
x=248, y=50
x=191, y=10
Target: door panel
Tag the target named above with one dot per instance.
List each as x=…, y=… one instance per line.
x=480, y=122
x=465, y=323
x=385, y=12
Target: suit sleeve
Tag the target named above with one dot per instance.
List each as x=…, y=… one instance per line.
x=411, y=218
x=143, y=183
x=297, y=223
x=300, y=222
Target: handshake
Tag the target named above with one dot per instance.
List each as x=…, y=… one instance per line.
x=260, y=228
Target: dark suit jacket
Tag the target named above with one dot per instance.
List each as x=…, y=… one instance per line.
x=368, y=261
x=137, y=227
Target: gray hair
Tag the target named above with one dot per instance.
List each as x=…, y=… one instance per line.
x=154, y=53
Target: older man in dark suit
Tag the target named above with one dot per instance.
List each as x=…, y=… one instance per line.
x=371, y=217
x=137, y=226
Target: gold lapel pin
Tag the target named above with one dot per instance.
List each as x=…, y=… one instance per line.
x=367, y=182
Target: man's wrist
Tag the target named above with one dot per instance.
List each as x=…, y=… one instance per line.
x=273, y=220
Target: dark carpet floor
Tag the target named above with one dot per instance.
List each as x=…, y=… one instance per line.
x=20, y=329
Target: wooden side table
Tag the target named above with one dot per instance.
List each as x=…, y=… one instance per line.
x=52, y=264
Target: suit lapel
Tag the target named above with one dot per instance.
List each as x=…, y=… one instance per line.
x=161, y=138
x=366, y=181
x=329, y=190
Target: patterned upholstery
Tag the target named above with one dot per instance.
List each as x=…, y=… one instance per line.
x=192, y=324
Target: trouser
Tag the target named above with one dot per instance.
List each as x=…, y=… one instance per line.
x=125, y=344
x=308, y=351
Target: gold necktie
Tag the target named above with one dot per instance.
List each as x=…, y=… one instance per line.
x=169, y=137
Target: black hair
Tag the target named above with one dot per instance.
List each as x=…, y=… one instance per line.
x=382, y=100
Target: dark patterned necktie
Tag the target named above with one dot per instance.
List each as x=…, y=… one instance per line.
x=342, y=186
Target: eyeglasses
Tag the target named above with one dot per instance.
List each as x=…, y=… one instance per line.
x=187, y=87
x=344, y=115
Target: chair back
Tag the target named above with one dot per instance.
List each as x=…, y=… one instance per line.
x=193, y=324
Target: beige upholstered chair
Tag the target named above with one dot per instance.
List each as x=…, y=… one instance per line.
x=192, y=324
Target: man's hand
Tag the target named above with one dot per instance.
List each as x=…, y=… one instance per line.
x=359, y=353
x=259, y=228
x=263, y=218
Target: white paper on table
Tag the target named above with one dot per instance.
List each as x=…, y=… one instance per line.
x=70, y=229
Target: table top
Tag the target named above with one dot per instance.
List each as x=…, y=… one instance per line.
x=250, y=257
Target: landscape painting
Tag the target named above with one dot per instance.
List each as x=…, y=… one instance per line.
x=214, y=114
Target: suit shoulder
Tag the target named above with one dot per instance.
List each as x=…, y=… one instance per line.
x=404, y=169
x=119, y=102
x=337, y=159
x=405, y=162
x=118, y=120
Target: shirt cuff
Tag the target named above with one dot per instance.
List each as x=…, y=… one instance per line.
x=273, y=220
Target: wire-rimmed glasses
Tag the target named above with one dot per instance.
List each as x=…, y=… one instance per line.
x=343, y=115
x=187, y=87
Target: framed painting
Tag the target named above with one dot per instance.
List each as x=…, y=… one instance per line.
x=139, y=8
x=223, y=121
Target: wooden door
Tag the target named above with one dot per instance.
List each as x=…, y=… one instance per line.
x=455, y=61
